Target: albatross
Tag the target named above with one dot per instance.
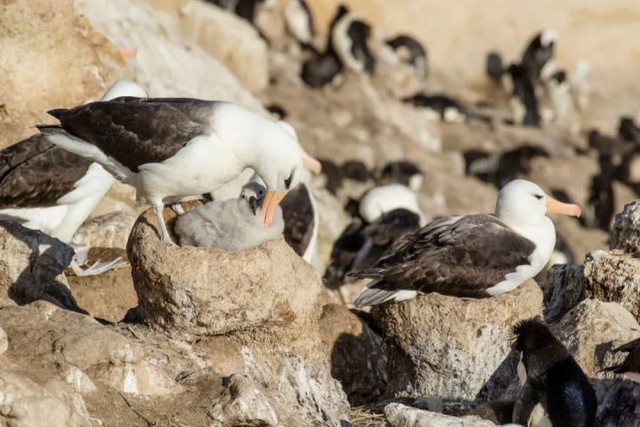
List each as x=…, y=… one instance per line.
x=46, y=188
x=472, y=256
x=169, y=148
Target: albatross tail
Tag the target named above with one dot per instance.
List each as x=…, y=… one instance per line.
x=377, y=293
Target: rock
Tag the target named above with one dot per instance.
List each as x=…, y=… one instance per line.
x=563, y=288
x=32, y=265
x=400, y=415
x=625, y=234
x=242, y=403
x=454, y=348
x=24, y=403
x=614, y=276
x=619, y=403
x=69, y=340
x=4, y=342
x=166, y=64
x=251, y=319
x=42, y=44
x=593, y=328
x=222, y=292
x=107, y=296
x=358, y=355
x=229, y=38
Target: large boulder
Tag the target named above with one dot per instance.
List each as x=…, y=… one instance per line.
x=77, y=345
x=167, y=63
x=454, y=348
x=41, y=45
x=229, y=38
x=215, y=292
x=614, y=276
x=256, y=312
x=32, y=265
x=625, y=234
x=592, y=329
x=25, y=403
x=563, y=287
x=618, y=403
x=358, y=355
x=400, y=415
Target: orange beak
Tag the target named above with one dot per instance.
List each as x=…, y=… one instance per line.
x=311, y=163
x=554, y=206
x=269, y=205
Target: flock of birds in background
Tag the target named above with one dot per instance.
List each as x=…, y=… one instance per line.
x=254, y=176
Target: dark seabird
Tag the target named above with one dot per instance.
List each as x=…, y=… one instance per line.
x=411, y=52
x=631, y=365
x=320, y=69
x=503, y=168
x=301, y=222
x=299, y=20
x=439, y=107
x=402, y=172
x=52, y=190
x=494, y=66
x=382, y=199
x=628, y=130
x=348, y=38
x=538, y=53
x=168, y=148
x=524, y=103
x=231, y=225
x=555, y=390
x=473, y=255
x=601, y=196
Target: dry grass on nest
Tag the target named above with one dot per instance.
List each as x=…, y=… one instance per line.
x=361, y=417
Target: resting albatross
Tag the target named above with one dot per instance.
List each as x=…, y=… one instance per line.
x=46, y=188
x=168, y=148
x=470, y=256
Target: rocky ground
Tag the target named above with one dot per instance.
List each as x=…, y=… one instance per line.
x=189, y=337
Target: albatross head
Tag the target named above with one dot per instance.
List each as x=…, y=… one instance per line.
x=524, y=202
x=282, y=166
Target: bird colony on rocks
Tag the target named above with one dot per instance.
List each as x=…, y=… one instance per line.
x=337, y=236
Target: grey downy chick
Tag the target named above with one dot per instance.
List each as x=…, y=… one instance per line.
x=232, y=225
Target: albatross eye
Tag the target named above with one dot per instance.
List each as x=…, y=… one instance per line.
x=538, y=196
x=287, y=182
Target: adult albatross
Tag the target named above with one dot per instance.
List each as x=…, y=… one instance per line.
x=470, y=256
x=168, y=148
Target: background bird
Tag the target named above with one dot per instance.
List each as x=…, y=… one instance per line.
x=555, y=387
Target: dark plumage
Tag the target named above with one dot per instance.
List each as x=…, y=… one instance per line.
x=631, y=363
x=26, y=178
x=356, y=170
x=523, y=96
x=448, y=109
x=501, y=169
x=460, y=256
x=344, y=251
x=348, y=38
x=538, y=53
x=297, y=212
x=246, y=9
x=411, y=51
x=137, y=130
x=494, y=66
x=553, y=379
x=321, y=69
x=628, y=130
x=601, y=196
x=402, y=172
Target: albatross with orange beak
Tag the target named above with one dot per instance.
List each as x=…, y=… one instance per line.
x=472, y=256
x=169, y=148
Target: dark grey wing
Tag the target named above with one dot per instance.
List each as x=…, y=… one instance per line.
x=135, y=131
x=297, y=212
x=36, y=173
x=392, y=226
x=460, y=256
